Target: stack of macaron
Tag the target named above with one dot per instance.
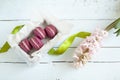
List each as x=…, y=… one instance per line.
x=35, y=42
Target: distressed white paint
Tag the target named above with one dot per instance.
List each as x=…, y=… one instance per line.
x=104, y=71
x=65, y=9
x=86, y=15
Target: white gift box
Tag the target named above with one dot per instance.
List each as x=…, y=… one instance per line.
x=63, y=28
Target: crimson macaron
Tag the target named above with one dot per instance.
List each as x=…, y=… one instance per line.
x=25, y=45
x=39, y=32
x=36, y=42
x=51, y=31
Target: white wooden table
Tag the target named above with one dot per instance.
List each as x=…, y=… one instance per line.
x=86, y=15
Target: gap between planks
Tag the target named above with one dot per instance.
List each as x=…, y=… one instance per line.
x=58, y=62
x=101, y=47
x=61, y=19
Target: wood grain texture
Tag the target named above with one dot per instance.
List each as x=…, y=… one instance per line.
x=60, y=72
x=85, y=15
x=64, y=9
x=79, y=25
x=107, y=55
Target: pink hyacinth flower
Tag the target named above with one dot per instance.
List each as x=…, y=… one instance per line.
x=88, y=47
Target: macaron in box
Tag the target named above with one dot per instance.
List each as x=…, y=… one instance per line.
x=33, y=35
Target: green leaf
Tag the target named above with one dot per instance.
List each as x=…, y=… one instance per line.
x=117, y=32
x=117, y=27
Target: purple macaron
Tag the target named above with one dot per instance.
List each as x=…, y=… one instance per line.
x=39, y=32
x=25, y=45
x=36, y=42
x=51, y=31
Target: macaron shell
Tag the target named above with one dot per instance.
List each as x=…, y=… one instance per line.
x=25, y=45
x=51, y=31
x=36, y=43
x=39, y=32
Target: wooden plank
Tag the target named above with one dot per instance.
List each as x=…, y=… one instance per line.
x=79, y=25
x=103, y=71
x=64, y=9
x=6, y=27
x=104, y=55
x=90, y=25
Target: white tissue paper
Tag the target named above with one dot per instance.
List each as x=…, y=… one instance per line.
x=63, y=28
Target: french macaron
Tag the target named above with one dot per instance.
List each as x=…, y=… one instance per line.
x=36, y=42
x=39, y=32
x=25, y=45
x=51, y=31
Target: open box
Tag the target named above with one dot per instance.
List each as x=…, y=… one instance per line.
x=63, y=28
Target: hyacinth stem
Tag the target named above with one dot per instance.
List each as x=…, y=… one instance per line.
x=112, y=25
